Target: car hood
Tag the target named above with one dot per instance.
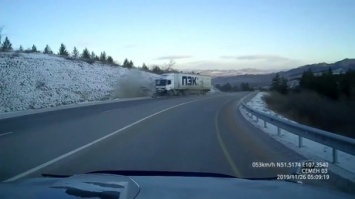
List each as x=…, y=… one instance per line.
x=128, y=187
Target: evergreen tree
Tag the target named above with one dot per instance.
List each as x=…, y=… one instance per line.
x=75, y=52
x=130, y=64
x=245, y=87
x=97, y=58
x=93, y=55
x=283, y=88
x=330, y=72
x=103, y=56
x=307, y=80
x=47, y=50
x=126, y=63
x=20, y=49
x=110, y=60
x=327, y=85
x=276, y=81
x=34, y=48
x=279, y=84
x=226, y=87
x=347, y=83
x=62, y=50
x=155, y=69
x=6, y=46
x=144, y=67
x=85, y=54
x=235, y=88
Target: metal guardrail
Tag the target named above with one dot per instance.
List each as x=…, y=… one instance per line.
x=336, y=142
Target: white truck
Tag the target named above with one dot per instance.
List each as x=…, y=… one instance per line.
x=171, y=84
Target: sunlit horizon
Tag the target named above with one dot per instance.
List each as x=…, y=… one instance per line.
x=221, y=35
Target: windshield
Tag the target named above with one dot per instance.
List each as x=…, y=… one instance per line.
x=242, y=88
x=161, y=82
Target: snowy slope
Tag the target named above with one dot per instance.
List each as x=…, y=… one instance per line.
x=34, y=80
x=311, y=150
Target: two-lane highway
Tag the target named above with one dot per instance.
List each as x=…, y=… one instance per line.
x=198, y=134
x=36, y=139
x=182, y=134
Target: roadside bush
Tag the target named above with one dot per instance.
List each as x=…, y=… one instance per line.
x=312, y=109
x=28, y=50
x=69, y=58
x=15, y=54
x=89, y=61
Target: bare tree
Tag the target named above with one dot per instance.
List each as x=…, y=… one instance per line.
x=169, y=66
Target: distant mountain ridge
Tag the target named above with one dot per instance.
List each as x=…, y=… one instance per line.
x=344, y=64
x=223, y=73
x=260, y=80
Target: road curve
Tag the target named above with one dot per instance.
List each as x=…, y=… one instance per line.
x=200, y=134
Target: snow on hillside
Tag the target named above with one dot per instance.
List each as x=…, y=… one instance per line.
x=258, y=104
x=311, y=150
x=34, y=80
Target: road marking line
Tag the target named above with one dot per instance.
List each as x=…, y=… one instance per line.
x=21, y=175
x=112, y=110
x=5, y=133
x=224, y=148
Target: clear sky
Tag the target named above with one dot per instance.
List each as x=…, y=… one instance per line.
x=197, y=34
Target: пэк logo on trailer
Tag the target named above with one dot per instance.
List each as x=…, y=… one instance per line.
x=188, y=80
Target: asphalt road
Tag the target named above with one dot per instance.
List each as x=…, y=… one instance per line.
x=198, y=133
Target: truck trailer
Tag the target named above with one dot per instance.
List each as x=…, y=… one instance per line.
x=172, y=84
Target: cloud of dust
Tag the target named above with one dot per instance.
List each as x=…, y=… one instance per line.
x=134, y=83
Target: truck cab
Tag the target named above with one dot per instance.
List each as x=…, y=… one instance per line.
x=164, y=84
